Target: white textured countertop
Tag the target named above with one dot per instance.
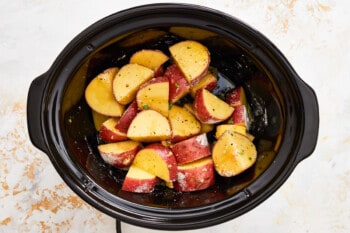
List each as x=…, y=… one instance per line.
x=313, y=35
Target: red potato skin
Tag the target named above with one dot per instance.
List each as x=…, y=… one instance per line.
x=134, y=185
x=235, y=97
x=239, y=116
x=201, y=111
x=122, y=160
x=195, y=179
x=127, y=117
x=178, y=85
x=192, y=149
x=158, y=79
x=109, y=135
x=167, y=155
x=209, y=85
x=159, y=71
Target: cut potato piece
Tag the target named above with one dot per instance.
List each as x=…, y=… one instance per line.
x=99, y=94
x=138, y=180
x=233, y=153
x=191, y=149
x=149, y=58
x=98, y=119
x=108, y=132
x=220, y=129
x=154, y=94
x=195, y=176
x=183, y=124
x=236, y=97
x=193, y=59
x=149, y=126
x=209, y=108
x=178, y=85
x=127, y=117
x=157, y=160
x=209, y=82
x=205, y=128
x=119, y=154
x=240, y=116
x=128, y=80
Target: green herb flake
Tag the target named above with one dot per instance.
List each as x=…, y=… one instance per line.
x=145, y=107
x=170, y=106
x=177, y=85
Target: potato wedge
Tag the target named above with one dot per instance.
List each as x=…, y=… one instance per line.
x=149, y=126
x=240, y=116
x=192, y=149
x=154, y=94
x=236, y=97
x=99, y=94
x=128, y=80
x=220, y=129
x=178, y=85
x=195, y=176
x=149, y=58
x=205, y=128
x=138, y=180
x=119, y=154
x=157, y=160
x=127, y=117
x=233, y=153
x=183, y=124
x=209, y=82
x=193, y=59
x=108, y=133
x=98, y=119
x=209, y=108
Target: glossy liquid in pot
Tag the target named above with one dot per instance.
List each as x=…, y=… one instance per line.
x=234, y=67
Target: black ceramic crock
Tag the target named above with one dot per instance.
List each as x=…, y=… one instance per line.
x=284, y=110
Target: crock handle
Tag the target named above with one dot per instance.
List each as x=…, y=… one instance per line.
x=34, y=100
x=310, y=134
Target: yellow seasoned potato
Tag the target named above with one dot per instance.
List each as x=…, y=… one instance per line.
x=128, y=80
x=99, y=94
x=193, y=59
x=233, y=153
x=149, y=126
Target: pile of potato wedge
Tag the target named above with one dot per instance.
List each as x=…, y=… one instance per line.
x=148, y=131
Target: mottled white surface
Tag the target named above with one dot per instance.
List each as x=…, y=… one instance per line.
x=313, y=35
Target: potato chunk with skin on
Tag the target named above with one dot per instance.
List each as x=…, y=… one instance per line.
x=183, y=123
x=119, y=154
x=152, y=59
x=192, y=149
x=209, y=109
x=138, y=180
x=149, y=126
x=157, y=160
x=99, y=94
x=233, y=153
x=195, y=176
x=154, y=95
x=193, y=59
x=128, y=80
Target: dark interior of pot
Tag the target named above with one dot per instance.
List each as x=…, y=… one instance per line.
x=234, y=66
